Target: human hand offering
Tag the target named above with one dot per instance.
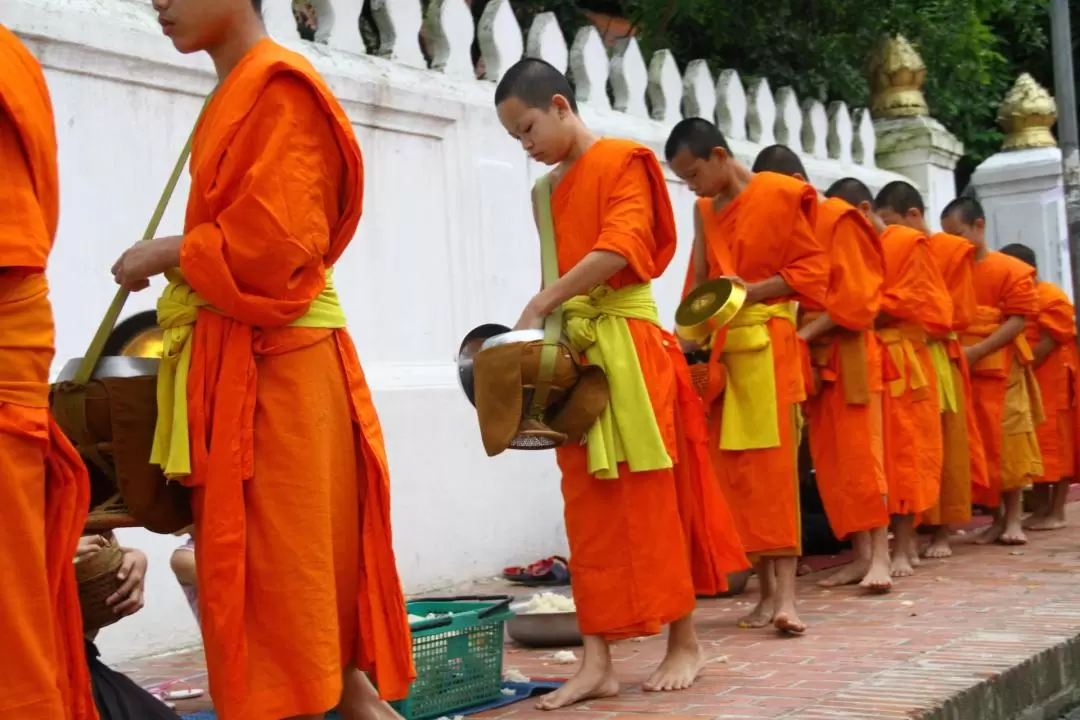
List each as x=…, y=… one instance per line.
x=144, y=260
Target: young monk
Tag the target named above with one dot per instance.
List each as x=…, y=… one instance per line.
x=759, y=229
x=843, y=411
x=1006, y=395
x=913, y=300
x=1052, y=338
x=614, y=232
x=284, y=440
x=44, y=487
x=964, y=464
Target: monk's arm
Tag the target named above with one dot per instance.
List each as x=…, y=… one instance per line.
x=1044, y=347
x=998, y=339
x=596, y=268
x=817, y=327
x=774, y=287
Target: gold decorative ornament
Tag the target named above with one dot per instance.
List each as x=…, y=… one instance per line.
x=896, y=75
x=1026, y=115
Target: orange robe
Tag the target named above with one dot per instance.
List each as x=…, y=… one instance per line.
x=628, y=556
x=917, y=304
x=767, y=230
x=1004, y=286
x=44, y=486
x=1057, y=383
x=297, y=577
x=711, y=538
x=844, y=414
x=964, y=463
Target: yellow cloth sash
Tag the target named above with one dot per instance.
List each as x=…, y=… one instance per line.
x=900, y=342
x=939, y=358
x=751, y=418
x=627, y=430
x=1023, y=399
x=177, y=310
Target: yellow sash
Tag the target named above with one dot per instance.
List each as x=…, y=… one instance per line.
x=939, y=357
x=899, y=343
x=627, y=430
x=751, y=418
x=177, y=310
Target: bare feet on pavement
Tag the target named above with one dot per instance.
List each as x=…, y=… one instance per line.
x=590, y=683
x=848, y=574
x=678, y=671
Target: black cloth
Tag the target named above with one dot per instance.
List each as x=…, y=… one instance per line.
x=118, y=697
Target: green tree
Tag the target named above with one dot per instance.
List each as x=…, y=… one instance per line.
x=973, y=49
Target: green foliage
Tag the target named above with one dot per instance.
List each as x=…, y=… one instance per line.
x=973, y=49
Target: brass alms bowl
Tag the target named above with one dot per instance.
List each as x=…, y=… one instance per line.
x=708, y=308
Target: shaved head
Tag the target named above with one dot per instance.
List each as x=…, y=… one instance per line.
x=900, y=197
x=851, y=190
x=780, y=159
x=535, y=83
x=697, y=136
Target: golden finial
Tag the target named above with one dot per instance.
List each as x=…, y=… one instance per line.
x=896, y=75
x=1027, y=115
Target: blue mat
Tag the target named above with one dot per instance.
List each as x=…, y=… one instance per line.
x=522, y=691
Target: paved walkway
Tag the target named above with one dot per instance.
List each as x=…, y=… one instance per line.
x=980, y=636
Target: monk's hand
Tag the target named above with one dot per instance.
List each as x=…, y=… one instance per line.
x=144, y=260
x=89, y=545
x=128, y=598
x=531, y=318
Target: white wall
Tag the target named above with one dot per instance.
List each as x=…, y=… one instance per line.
x=446, y=242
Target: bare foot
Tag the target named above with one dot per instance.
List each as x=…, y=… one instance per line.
x=1045, y=523
x=901, y=565
x=760, y=616
x=913, y=552
x=678, y=671
x=1013, y=534
x=848, y=574
x=588, y=684
x=939, y=545
x=789, y=623
x=878, y=579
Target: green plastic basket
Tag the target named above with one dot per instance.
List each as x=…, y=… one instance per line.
x=458, y=656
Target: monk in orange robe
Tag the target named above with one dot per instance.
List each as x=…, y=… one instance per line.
x=284, y=439
x=45, y=487
x=1052, y=338
x=843, y=411
x=614, y=232
x=759, y=229
x=1006, y=394
x=964, y=463
x=914, y=302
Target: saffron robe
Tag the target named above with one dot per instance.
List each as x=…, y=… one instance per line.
x=711, y=537
x=288, y=465
x=44, y=486
x=844, y=415
x=1004, y=287
x=767, y=230
x=629, y=562
x=963, y=462
x=1057, y=383
x=917, y=304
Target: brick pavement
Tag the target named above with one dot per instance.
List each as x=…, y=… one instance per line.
x=980, y=636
